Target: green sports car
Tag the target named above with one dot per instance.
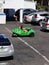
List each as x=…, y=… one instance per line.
x=19, y=32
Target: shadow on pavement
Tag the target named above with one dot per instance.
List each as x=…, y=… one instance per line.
x=35, y=24
x=6, y=58
x=47, y=31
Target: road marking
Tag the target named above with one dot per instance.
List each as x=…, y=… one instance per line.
x=8, y=29
x=44, y=57
x=5, y=63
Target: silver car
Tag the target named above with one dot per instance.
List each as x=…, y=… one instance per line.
x=6, y=47
x=36, y=17
x=45, y=24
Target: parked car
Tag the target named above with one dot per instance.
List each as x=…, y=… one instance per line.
x=36, y=17
x=6, y=47
x=25, y=12
x=45, y=24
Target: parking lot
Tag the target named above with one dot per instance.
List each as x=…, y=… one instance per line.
x=28, y=50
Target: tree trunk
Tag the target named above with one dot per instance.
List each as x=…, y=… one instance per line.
x=41, y=2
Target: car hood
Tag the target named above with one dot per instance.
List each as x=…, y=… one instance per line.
x=17, y=30
x=5, y=48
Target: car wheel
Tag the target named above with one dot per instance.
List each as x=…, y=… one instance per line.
x=14, y=35
x=32, y=34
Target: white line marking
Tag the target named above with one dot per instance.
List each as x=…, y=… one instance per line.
x=4, y=63
x=44, y=57
x=8, y=29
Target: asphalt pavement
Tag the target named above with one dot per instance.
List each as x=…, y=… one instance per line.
x=28, y=50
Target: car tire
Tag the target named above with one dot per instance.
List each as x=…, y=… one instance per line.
x=11, y=57
x=14, y=35
x=32, y=34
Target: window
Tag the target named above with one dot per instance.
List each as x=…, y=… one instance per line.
x=44, y=14
x=4, y=42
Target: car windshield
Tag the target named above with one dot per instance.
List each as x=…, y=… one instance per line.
x=28, y=11
x=4, y=41
x=31, y=14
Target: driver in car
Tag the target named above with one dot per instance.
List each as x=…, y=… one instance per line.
x=23, y=28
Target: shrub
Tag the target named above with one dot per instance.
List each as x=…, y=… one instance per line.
x=41, y=7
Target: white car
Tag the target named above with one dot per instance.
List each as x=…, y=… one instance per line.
x=45, y=24
x=26, y=11
x=36, y=17
x=6, y=47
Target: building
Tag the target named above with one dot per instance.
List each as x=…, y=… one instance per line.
x=16, y=4
x=10, y=6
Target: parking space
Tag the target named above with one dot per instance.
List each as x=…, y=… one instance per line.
x=28, y=50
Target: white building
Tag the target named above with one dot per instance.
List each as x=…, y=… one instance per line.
x=16, y=4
